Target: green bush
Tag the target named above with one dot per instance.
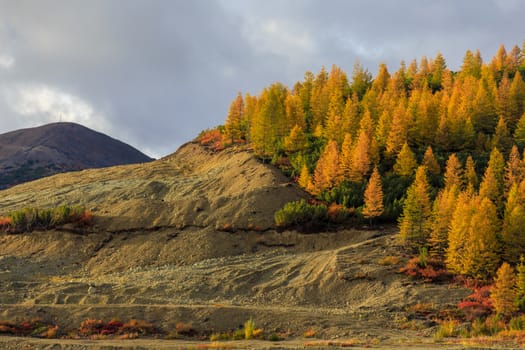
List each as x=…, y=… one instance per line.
x=299, y=213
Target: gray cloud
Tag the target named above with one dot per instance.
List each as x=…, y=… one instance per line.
x=155, y=73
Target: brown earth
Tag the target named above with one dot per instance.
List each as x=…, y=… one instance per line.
x=190, y=238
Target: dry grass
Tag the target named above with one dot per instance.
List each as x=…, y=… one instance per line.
x=389, y=260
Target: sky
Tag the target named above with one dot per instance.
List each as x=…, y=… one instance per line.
x=154, y=73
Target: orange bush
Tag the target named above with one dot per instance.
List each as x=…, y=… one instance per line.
x=5, y=223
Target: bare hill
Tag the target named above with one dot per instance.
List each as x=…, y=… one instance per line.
x=192, y=187
x=190, y=238
x=32, y=153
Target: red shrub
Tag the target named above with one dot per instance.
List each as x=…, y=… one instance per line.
x=477, y=304
x=432, y=271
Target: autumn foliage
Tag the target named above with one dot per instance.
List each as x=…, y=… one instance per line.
x=446, y=146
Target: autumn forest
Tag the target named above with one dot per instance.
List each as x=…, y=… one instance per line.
x=440, y=151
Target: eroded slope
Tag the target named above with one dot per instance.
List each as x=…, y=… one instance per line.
x=192, y=187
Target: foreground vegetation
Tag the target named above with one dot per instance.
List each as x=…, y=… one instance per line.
x=30, y=219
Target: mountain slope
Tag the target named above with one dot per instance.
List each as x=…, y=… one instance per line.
x=192, y=187
x=191, y=238
x=29, y=154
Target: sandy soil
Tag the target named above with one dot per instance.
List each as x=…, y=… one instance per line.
x=160, y=252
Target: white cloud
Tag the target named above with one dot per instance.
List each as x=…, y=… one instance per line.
x=40, y=103
x=6, y=61
x=279, y=37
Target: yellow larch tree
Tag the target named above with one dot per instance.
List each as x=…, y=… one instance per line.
x=513, y=231
x=373, y=197
x=406, y=162
x=345, y=160
x=442, y=213
x=326, y=173
x=482, y=248
x=414, y=222
x=471, y=177
x=233, y=124
x=513, y=169
x=430, y=162
x=459, y=233
x=503, y=292
x=453, y=172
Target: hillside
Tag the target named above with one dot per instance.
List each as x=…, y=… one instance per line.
x=190, y=238
x=29, y=154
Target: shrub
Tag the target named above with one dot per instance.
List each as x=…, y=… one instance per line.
x=446, y=329
x=477, y=304
x=212, y=139
x=299, y=213
x=430, y=270
x=5, y=223
x=249, y=328
x=29, y=219
x=34, y=328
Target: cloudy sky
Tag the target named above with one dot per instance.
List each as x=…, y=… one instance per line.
x=153, y=73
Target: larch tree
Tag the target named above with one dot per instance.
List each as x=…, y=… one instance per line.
x=373, y=197
x=513, y=231
x=294, y=112
x=502, y=139
x=430, y=162
x=326, y=173
x=482, y=248
x=520, y=283
x=296, y=141
x=406, y=162
x=319, y=100
x=398, y=133
x=459, y=233
x=519, y=133
x=513, y=169
x=345, y=159
x=471, y=176
x=517, y=97
x=503, y=292
x=361, y=80
x=414, y=222
x=363, y=153
x=442, y=213
x=269, y=125
x=491, y=186
x=453, y=172
x=305, y=180
x=233, y=124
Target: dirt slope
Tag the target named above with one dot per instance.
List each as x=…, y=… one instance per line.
x=192, y=187
x=157, y=254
